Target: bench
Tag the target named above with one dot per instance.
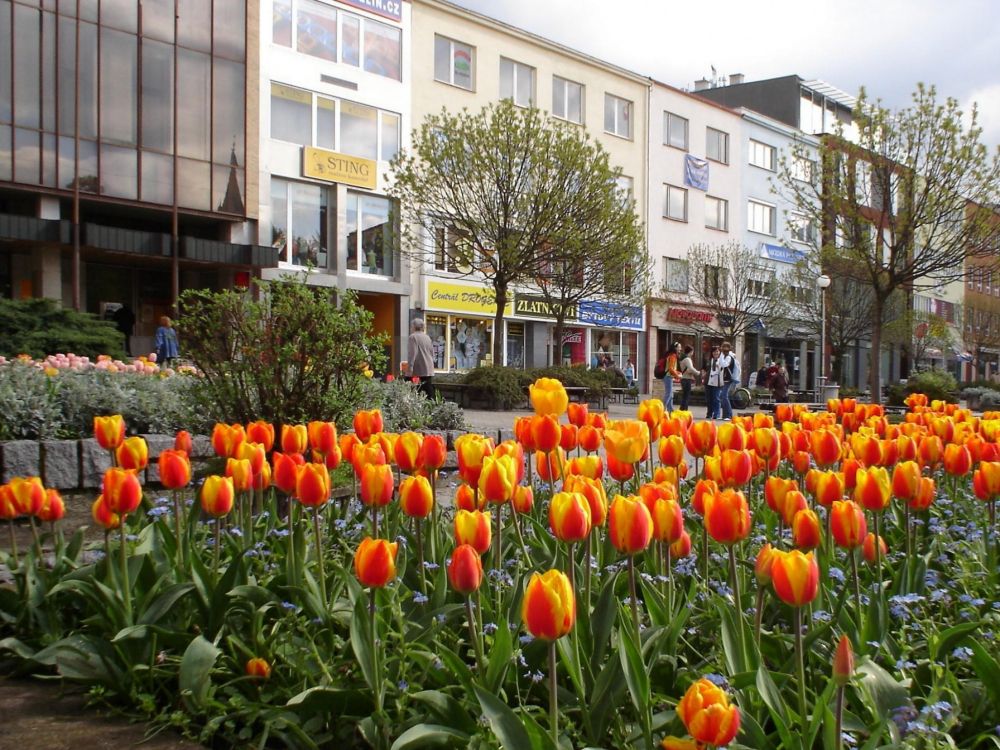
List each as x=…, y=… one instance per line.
x=625, y=395
x=583, y=395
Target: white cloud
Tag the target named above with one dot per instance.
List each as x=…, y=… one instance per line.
x=987, y=100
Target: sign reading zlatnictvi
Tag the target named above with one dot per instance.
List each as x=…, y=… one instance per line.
x=330, y=166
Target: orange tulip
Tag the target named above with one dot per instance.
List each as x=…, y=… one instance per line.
x=348, y=443
x=873, y=488
x=986, y=480
x=471, y=450
x=593, y=491
x=322, y=437
x=671, y=474
x=577, y=414
x=261, y=432
x=240, y=471
x=175, y=469
x=679, y=743
x=627, y=440
x=806, y=532
x=549, y=607
x=767, y=443
x=473, y=527
x=549, y=465
x=620, y=471
x=847, y=524
x=668, y=520
x=829, y=488
x=736, y=467
x=589, y=438
x=522, y=433
x=104, y=516
x=925, y=495
x=433, y=453
x=702, y=490
x=28, y=494
x=498, y=478
x=376, y=485
x=121, y=489
x=851, y=467
x=682, y=547
x=795, y=577
x=109, y=431
x=731, y=436
x=825, y=446
x=367, y=423
x=258, y=669
x=800, y=462
x=515, y=451
x=701, y=438
x=523, y=500
x=548, y=396
x=868, y=548
x=53, y=508
x=568, y=437
x=727, y=516
x=465, y=498
x=843, y=661
x=930, y=450
x=183, y=442
x=407, y=451
x=366, y=454
x=415, y=497
x=217, y=495
x=630, y=526
x=906, y=480
x=671, y=450
x=312, y=488
x=465, y=571
x=794, y=502
x=866, y=448
x=585, y=466
x=375, y=562
x=707, y=714
x=569, y=517
x=545, y=432
x=262, y=480
x=133, y=453
x=957, y=460
x=255, y=454
x=763, y=563
x=226, y=438
x=286, y=471
x=651, y=411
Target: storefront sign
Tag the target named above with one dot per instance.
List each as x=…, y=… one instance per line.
x=442, y=295
x=783, y=254
x=533, y=306
x=612, y=315
x=330, y=166
x=386, y=8
x=685, y=315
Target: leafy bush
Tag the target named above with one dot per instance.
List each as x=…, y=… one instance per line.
x=406, y=408
x=288, y=357
x=39, y=406
x=596, y=380
x=501, y=386
x=42, y=326
x=936, y=384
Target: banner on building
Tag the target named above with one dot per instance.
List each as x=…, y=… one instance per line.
x=612, y=315
x=696, y=172
x=386, y=8
x=466, y=298
x=535, y=306
x=783, y=254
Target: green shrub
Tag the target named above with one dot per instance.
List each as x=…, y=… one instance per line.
x=502, y=387
x=40, y=327
x=289, y=356
x=936, y=384
x=406, y=408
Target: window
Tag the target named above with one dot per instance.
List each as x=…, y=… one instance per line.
x=567, y=100
x=761, y=218
x=803, y=169
x=291, y=114
x=517, y=82
x=800, y=295
x=762, y=155
x=617, y=116
x=358, y=130
x=452, y=251
x=372, y=240
x=675, y=130
x=299, y=222
x=676, y=275
x=715, y=282
x=624, y=187
x=676, y=206
x=717, y=145
x=453, y=62
x=803, y=230
x=317, y=30
x=613, y=348
x=382, y=49
x=716, y=213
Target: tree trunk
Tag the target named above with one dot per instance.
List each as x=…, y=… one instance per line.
x=498, y=339
x=557, y=337
x=875, y=370
x=837, y=355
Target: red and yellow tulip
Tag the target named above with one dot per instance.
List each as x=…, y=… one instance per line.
x=708, y=715
x=795, y=577
x=549, y=607
x=630, y=526
x=375, y=562
x=465, y=571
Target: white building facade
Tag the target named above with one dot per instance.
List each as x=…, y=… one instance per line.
x=334, y=110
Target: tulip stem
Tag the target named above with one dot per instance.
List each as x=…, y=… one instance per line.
x=497, y=541
x=738, y=600
x=586, y=568
x=633, y=598
x=13, y=540
x=38, y=541
x=217, y=546
x=520, y=537
x=123, y=562
x=434, y=517
x=571, y=565
x=377, y=687
x=474, y=636
x=758, y=615
x=704, y=553
x=319, y=555
x=420, y=554
x=553, y=696
x=670, y=579
x=878, y=552
x=800, y=659
x=906, y=529
x=839, y=717
x=177, y=529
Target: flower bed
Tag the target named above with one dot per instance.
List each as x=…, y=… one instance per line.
x=753, y=584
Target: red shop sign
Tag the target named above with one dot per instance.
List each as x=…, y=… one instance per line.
x=685, y=315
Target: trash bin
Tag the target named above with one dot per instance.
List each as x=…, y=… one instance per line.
x=829, y=390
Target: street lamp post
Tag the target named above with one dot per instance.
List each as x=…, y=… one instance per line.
x=822, y=282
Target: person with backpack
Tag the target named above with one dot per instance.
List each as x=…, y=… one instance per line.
x=666, y=369
x=689, y=374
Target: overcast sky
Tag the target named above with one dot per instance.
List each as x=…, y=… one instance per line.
x=885, y=45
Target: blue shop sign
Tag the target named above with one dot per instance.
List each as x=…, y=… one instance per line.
x=611, y=315
x=784, y=254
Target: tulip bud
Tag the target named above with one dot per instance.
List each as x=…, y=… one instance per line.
x=868, y=548
x=843, y=662
x=473, y=528
x=727, y=516
x=322, y=437
x=465, y=571
x=375, y=562
x=122, y=491
x=523, y=500
x=53, y=509
x=217, y=495
x=569, y=517
x=241, y=473
x=104, y=516
x=376, y=485
x=367, y=423
x=415, y=497
x=312, y=486
x=183, y=442
x=109, y=431
x=261, y=432
x=226, y=438
x=630, y=526
x=795, y=577
x=407, y=451
x=433, y=453
x=258, y=669
x=175, y=469
x=133, y=453
x=762, y=566
x=806, y=533
x=682, y=547
x=706, y=712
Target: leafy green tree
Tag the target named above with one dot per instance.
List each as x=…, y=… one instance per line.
x=511, y=196
x=288, y=354
x=901, y=198
x=40, y=327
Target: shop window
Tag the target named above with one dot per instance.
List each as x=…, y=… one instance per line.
x=299, y=223
x=326, y=123
x=453, y=62
x=389, y=136
x=612, y=349
x=437, y=330
x=382, y=49
x=471, y=342
x=359, y=130
x=291, y=114
x=372, y=239
x=515, y=345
